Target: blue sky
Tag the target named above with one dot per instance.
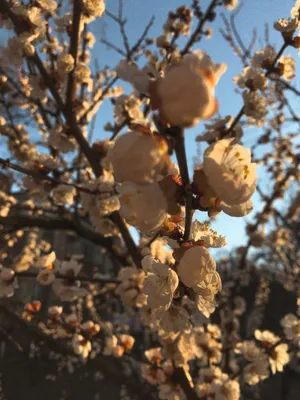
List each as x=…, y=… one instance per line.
x=255, y=13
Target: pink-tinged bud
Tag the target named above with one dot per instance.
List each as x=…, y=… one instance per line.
x=186, y=94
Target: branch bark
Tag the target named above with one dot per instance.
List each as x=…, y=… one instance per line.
x=178, y=134
x=22, y=221
x=74, y=44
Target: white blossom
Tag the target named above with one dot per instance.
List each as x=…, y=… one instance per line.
x=65, y=62
x=48, y=5
x=131, y=287
x=252, y=79
x=60, y=141
x=46, y=260
x=103, y=201
x=267, y=338
x=186, y=94
x=255, y=106
x=286, y=25
x=139, y=78
x=239, y=210
x=6, y=202
x=68, y=289
x=127, y=108
x=94, y=8
x=206, y=307
x=229, y=171
x=63, y=194
x=291, y=326
x=55, y=311
x=126, y=341
x=257, y=370
x=90, y=328
x=143, y=206
x=154, y=355
x=152, y=375
x=172, y=322
x=264, y=57
x=112, y=347
x=226, y=389
x=202, y=232
x=295, y=11
x=63, y=22
x=209, y=349
x=231, y=4
x=138, y=157
x=82, y=72
x=288, y=66
x=197, y=269
x=81, y=346
x=160, y=283
x=279, y=357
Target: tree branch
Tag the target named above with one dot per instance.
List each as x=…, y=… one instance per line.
x=180, y=378
x=37, y=175
x=178, y=134
x=199, y=29
x=24, y=221
x=74, y=44
x=29, y=274
x=269, y=71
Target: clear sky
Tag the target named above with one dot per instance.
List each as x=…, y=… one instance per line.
x=254, y=14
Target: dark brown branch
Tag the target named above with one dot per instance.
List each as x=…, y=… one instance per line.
x=130, y=244
x=74, y=45
x=122, y=23
x=37, y=175
x=235, y=31
x=114, y=80
x=7, y=336
x=178, y=135
x=113, y=47
x=199, y=29
x=29, y=274
x=286, y=85
x=25, y=221
x=180, y=378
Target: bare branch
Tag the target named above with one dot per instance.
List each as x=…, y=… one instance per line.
x=196, y=35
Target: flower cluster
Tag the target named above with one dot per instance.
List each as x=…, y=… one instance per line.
x=227, y=179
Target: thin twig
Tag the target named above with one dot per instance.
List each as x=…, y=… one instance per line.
x=286, y=85
x=40, y=176
x=11, y=339
x=199, y=29
x=269, y=71
x=114, y=47
x=130, y=244
x=114, y=80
